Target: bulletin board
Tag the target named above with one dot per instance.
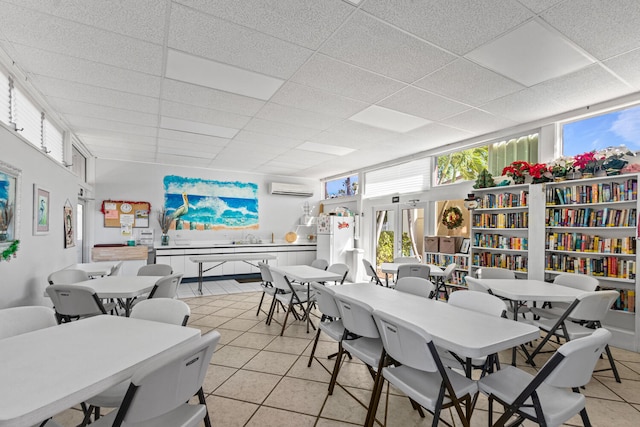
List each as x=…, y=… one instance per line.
x=119, y=213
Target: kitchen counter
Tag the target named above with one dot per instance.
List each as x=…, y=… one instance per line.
x=208, y=244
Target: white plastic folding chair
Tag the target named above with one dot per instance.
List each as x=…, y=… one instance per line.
x=290, y=297
x=371, y=272
x=115, y=271
x=575, y=281
x=413, y=270
x=320, y=263
x=330, y=322
x=67, y=277
x=20, y=320
x=416, y=286
x=339, y=268
x=267, y=287
x=545, y=398
x=160, y=391
x=441, y=280
x=75, y=302
x=504, y=274
x=418, y=371
x=580, y=319
x=155, y=270
x=165, y=310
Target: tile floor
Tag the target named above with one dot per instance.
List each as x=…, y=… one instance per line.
x=258, y=378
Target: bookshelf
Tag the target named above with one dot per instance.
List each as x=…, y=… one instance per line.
x=591, y=228
x=442, y=260
x=504, y=232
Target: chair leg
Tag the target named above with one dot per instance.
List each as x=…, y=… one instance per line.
x=336, y=368
x=377, y=392
x=313, y=350
x=260, y=305
x=274, y=303
x=203, y=401
x=284, y=323
x=613, y=364
x=585, y=418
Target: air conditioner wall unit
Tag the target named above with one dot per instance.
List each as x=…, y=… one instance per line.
x=286, y=189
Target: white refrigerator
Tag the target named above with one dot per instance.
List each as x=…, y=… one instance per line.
x=335, y=237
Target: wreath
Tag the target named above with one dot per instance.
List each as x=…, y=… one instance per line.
x=452, y=217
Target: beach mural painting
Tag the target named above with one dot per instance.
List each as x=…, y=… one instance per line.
x=200, y=204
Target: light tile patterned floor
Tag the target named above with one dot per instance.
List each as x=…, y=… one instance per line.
x=258, y=378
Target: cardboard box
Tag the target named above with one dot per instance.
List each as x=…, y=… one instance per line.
x=431, y=244
x=450, y=245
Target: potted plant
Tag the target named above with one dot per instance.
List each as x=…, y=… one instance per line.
x=517, y=171
x=589, y=163
x=561, y=168
x=165, y=220
x=539, y=172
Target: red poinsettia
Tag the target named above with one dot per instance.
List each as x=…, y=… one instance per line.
x=517, y=168
x=537, y=170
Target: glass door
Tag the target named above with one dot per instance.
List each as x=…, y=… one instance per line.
x=398, y=231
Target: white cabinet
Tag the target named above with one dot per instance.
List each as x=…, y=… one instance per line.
x=591, y=228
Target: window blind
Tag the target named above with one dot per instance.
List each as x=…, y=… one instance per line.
x=5, y=99
x=53, y=140
x=407, y=177
x=27, y=117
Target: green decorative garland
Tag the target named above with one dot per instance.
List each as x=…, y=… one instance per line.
x=452, y=217
x=10, y=251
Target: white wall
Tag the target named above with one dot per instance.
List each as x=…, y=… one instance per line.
x=23, y=279
x=118, y=180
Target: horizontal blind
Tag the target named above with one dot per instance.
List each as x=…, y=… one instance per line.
x=5, y=99
x=52, y=140
x=407, y=177
x=28, y=118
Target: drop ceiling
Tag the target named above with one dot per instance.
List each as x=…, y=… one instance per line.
x=313, y=88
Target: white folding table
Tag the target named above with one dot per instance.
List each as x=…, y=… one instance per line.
x=467, y=333
x=125, y=288
x=306, y=274
x=49, y=370
x=94, y=269
x=223, y=258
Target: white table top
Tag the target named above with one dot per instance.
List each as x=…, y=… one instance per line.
x=102, y=268
x=531, y=290
x=231, y=257
x=49, y=370
x=467, y=333
x=392, y=268
x=306, y=273
x=121, y=286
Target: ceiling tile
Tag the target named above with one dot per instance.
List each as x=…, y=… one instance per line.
x=530, y=54
x=295, y=116
x=83, y=124
x=626, y=66
x=538, y=6
x=191, y=126
x=142, y=19
x=267, y=139
x=204, y=115
x=193, y=32
x=439, y=134
x=186, y=147
x=456, y=25
x=78, y=40
x=388, y=119
x=478, y=122
x=524, y=106
x=423, y=104
x=325, y=148
x=110, y=139
x=191, y=138
x=343, y=79
x=185, y=93
x=371, y=44
x=77, y=108
x=64, y=67
x=603, y=28
x=352, y=134
x=172, y=159
x=243, y=149
x=97, y=95
x=320, y=101
x=280, y=129
x=184, y=151
x=468, y=83
x=583, y=88
x=304, y=22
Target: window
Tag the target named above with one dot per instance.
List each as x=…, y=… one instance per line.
x=467, y=164
x=410, y=177
x=5, y=98
x=79, y=164
x=341, y=187
x=27, y=117
x=612, y=129
x=52, y=140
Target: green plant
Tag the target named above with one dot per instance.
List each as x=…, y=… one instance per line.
x=384, y=250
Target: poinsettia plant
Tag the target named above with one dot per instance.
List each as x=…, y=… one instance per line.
x=516, y=170
x=589, y=162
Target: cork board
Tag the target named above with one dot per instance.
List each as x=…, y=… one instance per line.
x=121, y=212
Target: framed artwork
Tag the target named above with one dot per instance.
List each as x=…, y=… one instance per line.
x=40, y=210
x=9, y=204
x=466, y=243
x=69, y=228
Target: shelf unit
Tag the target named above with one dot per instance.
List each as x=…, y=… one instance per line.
x=442, y=260
x=591, y=228
x=504, y=232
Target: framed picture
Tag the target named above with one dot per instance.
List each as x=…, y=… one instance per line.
x=9, y=204
x=69, y=229
x=40, y=210
x=466, y=243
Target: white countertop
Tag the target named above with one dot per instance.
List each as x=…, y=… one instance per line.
x=210, y=244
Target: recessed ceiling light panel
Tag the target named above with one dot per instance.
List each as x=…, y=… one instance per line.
x=386, y=118
x=324, y=148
